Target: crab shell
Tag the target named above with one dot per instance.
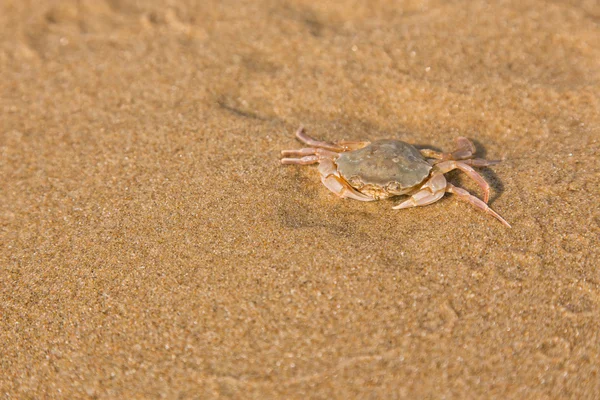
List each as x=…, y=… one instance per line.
x=384, y=168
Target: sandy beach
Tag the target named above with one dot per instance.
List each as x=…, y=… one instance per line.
x=153, y=246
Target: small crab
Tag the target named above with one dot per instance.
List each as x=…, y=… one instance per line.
x=368, y=171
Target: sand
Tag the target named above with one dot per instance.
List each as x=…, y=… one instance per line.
x=153, y=246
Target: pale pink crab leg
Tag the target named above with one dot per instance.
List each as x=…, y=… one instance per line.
x=479, y=162
x=430, y=192
x=338, y=147
x=349, y=145
x=303, y=137
x=447, y=166
x=464, y=149
x=462, y=194
x=301, y=161
x=309, y=151
x=429, y=153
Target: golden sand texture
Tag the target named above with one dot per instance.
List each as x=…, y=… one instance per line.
x=153, y=246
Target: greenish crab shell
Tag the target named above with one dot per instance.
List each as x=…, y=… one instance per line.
x=384, y=168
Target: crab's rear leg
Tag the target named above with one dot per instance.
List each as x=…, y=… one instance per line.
x=480, y=162
x=307, y=151
x=447, y=166
x=338, y=147
x=462, y=194
x=350, y=145
x=464, y=150
x=306, y=160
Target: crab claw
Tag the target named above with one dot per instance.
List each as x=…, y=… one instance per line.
x=405, y=204
x=421, y=198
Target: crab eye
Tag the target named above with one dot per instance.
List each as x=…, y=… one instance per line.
x=355, y=181
x=393, y=187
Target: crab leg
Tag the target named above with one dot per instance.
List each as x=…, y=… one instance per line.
x=349, y=145
x=309, y=151
x=339, y=147
x=462, y=194
x=306, y=160
x=464, y=149
x=447, y=166
x=303, y=137
x=479, y=162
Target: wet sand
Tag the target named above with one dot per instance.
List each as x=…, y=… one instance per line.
x=153, y=246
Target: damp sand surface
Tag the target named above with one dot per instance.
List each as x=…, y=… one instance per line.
x=151, y=245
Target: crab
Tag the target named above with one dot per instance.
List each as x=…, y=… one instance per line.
x=369, y=171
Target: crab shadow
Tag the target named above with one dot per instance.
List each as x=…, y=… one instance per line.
x=304, y=212
x=488, y=173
